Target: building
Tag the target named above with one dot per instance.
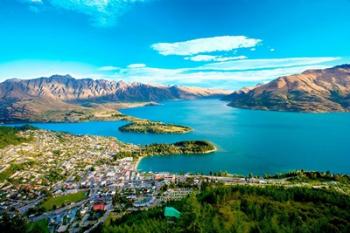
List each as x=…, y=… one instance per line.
x=99, y=207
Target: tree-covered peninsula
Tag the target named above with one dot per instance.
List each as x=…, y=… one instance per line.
x=183, y=148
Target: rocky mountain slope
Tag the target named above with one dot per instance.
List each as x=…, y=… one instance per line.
x=29, y=99
x=322, y=90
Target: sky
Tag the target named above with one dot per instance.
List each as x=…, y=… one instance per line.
x=225, y=44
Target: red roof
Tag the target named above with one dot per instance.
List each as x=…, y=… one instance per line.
x=99, y=207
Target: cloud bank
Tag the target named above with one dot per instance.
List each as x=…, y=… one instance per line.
x=229, y=75
x=226, y=75
x=206, y=58
x=205, y=45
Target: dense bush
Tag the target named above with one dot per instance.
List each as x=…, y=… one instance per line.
x=8, y=136
x=247, y=209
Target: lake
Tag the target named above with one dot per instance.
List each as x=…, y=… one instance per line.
x=248, y=141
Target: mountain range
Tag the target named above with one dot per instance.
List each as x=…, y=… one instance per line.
x=32, y=99
x=60, y=98
x=319, y=90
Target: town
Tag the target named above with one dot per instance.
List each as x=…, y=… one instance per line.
x=75, y=183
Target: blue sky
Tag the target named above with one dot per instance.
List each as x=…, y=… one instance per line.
x=210, y=43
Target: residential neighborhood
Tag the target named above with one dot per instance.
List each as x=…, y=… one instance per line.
x=75, y=182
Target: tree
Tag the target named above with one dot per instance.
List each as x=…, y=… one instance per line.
x=15, y=224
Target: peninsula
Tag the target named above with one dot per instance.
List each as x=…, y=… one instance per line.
x=178, y=148
x=28, y=158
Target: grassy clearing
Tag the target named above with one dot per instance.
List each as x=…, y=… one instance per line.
x=56, y=202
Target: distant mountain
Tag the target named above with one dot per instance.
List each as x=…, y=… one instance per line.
x=23, y=99
x=322, y=90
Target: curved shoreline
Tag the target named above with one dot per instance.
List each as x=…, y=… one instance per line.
x=138, y=161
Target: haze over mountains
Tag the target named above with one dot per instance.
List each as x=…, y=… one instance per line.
x=322, y=90
x=39, y=99
x=23, y=99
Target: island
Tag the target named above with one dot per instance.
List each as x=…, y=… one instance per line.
x=155, y=127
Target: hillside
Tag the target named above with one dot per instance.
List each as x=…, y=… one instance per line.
x=246, y=209
x=323, y=90
x=45, y=98
x=8, y=136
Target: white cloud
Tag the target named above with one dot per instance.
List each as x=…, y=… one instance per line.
x=202, y=58
x=109, y=68
x=266, y=63
x=224, y=77
x=136, y=66
x=220, y=59
x=35, y=1
x=205, y=45
x=227, y=75
x=101, y=12
x=214, y=79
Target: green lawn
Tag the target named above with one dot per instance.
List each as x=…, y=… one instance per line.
x=59, y=201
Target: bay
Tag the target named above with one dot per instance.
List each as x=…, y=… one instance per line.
x=248, y=141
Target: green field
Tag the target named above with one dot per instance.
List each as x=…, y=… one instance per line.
x=60, y=201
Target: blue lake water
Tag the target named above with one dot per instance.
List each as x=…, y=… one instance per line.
x=260, y=142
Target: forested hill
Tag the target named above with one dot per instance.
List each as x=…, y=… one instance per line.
x=246, y=209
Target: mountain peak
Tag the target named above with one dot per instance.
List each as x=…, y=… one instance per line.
x=311, y=91
x=18, y=98
x=344, y=66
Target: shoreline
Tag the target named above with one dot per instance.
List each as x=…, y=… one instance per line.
x=137, y=163
x=120, y=106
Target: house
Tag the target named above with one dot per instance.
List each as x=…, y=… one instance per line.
x=99, y=206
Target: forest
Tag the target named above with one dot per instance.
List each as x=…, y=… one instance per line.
x=245, y=209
